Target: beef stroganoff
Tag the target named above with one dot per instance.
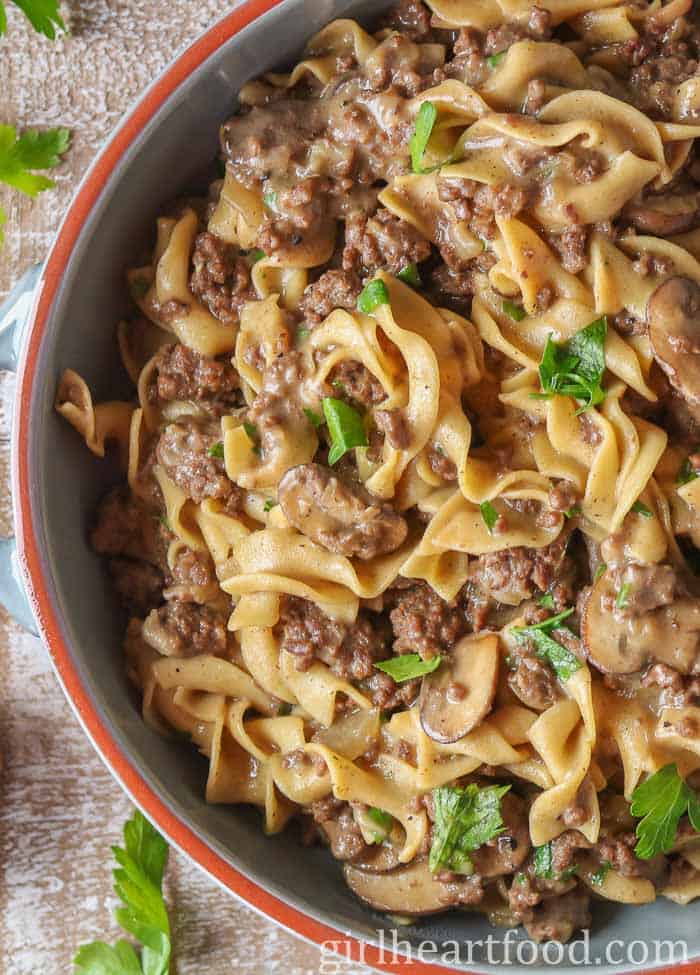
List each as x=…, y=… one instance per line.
x=410, y=518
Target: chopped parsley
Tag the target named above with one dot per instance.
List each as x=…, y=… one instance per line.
x=410, y=275
x=217, y=450
x=255, y=255
x=600, y=571
x=495, y=59
x=425, y=120
x=408, y=666
x=572, y=512
x=686, y=473
x=598, y=878
x=546, y=601
x=575, y=367
x=346, y=428
x=513, y=311
x=623, y=595
x=270, y=200
x=640, y=508
x=563, y=662
x=465, y=819
x=302, y=333
x=543, y=863
x=372, y=296
x=659, y=802
x=269, y=505
x=383, y=819
x=252, y=433
x=489, y=514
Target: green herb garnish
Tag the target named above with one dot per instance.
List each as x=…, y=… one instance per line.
x=270, y=200
x=372, y=296
x=600, y=571
x=598, y=878
x=546, y=601
x=661, y=800
x=21, y=156
x=217, y=450
x=495, y=59
x=383, y=819
x=575, y=368
x=543, y=863
x=513, y=311
x=425, y=120
x=489, y=514
x=641, y=509
x=269, y=505
x=302, y=333
x=572, y=512
x=410, y=275
x=253, y=435
x=465, y=819
x=622, y=596
x=346, y=428
x=138, y=882
x=314, y=418
x=43, y=15
x=408, y=666
x=255, y=255
x=686, y=473
x=563, y=662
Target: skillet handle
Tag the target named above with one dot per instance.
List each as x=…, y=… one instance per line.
x=14, y=317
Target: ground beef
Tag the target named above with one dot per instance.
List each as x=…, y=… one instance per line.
x=661, y=62
x=441, y=464
x=565, y=847
x=460, y=890
x=648, y=587
x=349, y=650
x=334, y=289
x=618, y=851
x=338, y=824
x=352, y=381
x=423, y=622
x=500, y=38
x=478, y=204
x=556, y=918
x=193, y=569
x=191, y=629
x=512, y=575
x=138, y=584
x=571, y=246
x=183, y=374
x=394, y=426
x=221, y=277
x=532, y=680
x=409, y=17
x=677, y=690
x=184, y=451
x=382, y=241
x=119, y=525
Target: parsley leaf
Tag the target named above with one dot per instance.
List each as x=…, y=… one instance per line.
x=546, y=601
x=661, y=800
x=622, y=599
x=543, y=863
x=425, y=120
x=563, y=662
x=270, y=200
x=598, y=878
x=489, y=514
x=372, y=296
x=269, y=505
x=346, y=427
x=381, y=818
x=686, y=473
x=138, y=882
x=465, y=819
x=407, y=666
x=495, y=59
x=575, y=367
x=217, y=450
x=600, y=571
x=21, y=155
x=513, y=311
x=255, y=255
x=640, y=508
x=410, y=275
x=43, y=15
x=251, y=432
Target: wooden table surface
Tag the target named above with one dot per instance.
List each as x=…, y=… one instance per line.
x=60, y=809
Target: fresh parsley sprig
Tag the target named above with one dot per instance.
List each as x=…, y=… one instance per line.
x=138, y=882
x=563, y=662
x=465, y=819
x=22, y=155
x=345, y=426
x=43, y=15
x=660, y=801
x=408, y=666
x=543, y=864
x=575, y=367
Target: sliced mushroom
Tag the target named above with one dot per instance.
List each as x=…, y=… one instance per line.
x=382, y=857
x=617, y=644
x=456, y=696
x=673, y=315
x=507, y=852
x=343, y=518
x=662, y=216
x=410, y=890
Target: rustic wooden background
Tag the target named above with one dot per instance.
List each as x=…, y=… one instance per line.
x=60, y=809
